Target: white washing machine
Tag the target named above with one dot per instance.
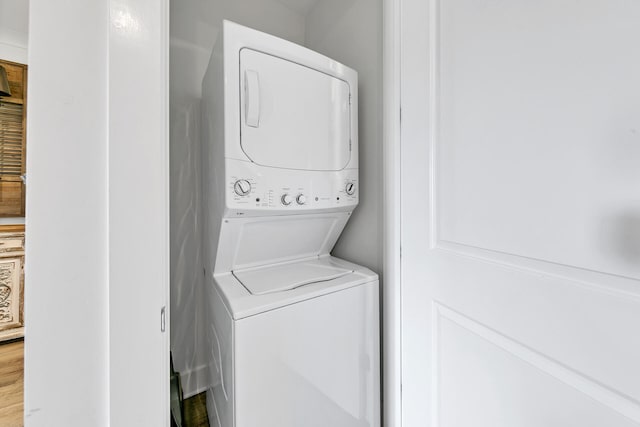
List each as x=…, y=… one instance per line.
x=293, y=333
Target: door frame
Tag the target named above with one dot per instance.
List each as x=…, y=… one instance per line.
x=139, y=268
x=392, y=284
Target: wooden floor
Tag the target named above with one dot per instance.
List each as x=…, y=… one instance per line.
x=11, y=383
x=195, y=411
x=12, y=391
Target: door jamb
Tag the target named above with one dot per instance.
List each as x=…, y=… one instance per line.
x=391, y=294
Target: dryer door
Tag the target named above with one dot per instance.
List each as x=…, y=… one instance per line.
x=292, y=116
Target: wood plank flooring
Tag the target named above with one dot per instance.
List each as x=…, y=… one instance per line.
x=11, y=383
x=195, y=411
x=12, y=391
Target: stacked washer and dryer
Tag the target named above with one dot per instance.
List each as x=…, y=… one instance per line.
x=293, y=332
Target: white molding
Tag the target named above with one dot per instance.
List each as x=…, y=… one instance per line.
x=195, y=381
x=138, y=231
x=436, y=315
x=434, y=118
x=13, y=53
x=165, y=33
x=608, y=397
x=612, y=284
x=391, y=296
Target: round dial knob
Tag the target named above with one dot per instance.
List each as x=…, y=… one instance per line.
x=286, y=199
x=350, y=188
x=242, y=187
x=301, y=199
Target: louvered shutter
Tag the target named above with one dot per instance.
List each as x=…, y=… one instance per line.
x=12, y=141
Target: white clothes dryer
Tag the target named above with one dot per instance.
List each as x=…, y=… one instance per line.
x=293, y=333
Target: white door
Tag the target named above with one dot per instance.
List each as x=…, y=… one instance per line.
x=520, y=213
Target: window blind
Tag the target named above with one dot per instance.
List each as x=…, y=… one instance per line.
x=11, y=138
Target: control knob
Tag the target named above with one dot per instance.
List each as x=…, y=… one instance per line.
x=242, y=187
x=350, y=188
x=301, y=199
x=286, y=199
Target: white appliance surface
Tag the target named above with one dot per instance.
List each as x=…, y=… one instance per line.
x=303, y=357
x=282, y=123
x=291, y=275
x=294, y=116
x=257, y=241
x=293, y=332
x=310, y=364
x=268, y=186
x=241, y=303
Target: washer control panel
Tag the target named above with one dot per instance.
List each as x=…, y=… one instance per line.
x=252, y=187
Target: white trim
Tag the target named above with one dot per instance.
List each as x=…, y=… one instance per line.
x=138, y=90
x=391, y=328
x=165, y=45
x=611, y=398
x=14, y=53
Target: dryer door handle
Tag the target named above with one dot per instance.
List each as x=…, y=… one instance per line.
x=252, y=98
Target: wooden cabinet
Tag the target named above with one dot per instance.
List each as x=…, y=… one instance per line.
x=11, y=282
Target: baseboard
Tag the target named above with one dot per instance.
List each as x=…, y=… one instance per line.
x=212, y=411
x=194, y=381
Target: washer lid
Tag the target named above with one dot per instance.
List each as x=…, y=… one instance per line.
x=284, y=277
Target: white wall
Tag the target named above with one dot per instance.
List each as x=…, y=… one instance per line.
x=14, y=24
x=350, y=31
x=97, y=214
x=194, y=29
x=66, y=292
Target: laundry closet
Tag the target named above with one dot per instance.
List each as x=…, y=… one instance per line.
x=347, y=31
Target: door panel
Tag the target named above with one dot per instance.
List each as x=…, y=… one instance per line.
x=508, y=374
x=292, y=116
x=520, y=213
x=539, y=146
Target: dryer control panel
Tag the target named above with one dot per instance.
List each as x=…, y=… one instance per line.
x=250, y=187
